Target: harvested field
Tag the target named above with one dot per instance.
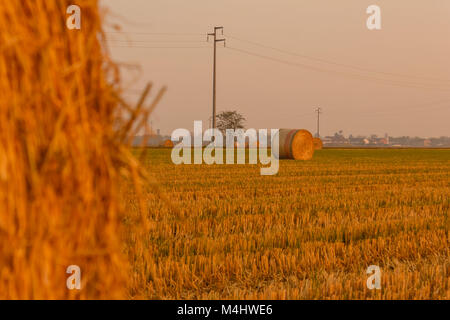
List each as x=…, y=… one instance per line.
x=308, y=233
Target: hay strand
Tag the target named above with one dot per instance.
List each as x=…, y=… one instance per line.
x=61, y=155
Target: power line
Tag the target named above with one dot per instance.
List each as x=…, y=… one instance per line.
x=309, y=114
x=296, y=64
x=337, y=63
x=394, y=111
x=215, y=40
x=393, y=81
x=147, y=47
x=354, y=76
x=156, y=34
x=290, y=115
x=427, y=105
x=319, y=111
x=154, y=41
x=288, y=53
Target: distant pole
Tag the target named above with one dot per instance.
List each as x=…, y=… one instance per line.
x=319, y=111
x=214, y=35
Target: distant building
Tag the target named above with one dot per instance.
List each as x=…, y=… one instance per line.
x=150, y=140
x=427, y=143
x=327, y=140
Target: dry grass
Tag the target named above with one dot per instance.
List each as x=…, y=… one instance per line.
x=308, y=233
x=62, y=155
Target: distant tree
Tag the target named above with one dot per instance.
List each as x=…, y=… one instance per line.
x=339, y=135
x=230, y=120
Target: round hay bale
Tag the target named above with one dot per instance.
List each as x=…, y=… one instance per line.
x=168, y=144
x=318, y=144
x=62, y=161
x=296, y=144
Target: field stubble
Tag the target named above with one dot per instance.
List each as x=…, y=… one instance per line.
x=308, y=233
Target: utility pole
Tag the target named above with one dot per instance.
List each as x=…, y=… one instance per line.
x=214, y=35
x=319, y=112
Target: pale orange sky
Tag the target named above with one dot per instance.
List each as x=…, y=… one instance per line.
x=414, y=41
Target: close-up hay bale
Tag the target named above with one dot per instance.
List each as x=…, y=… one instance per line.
x=318, y=144
x=61, y=155
x=296, y=144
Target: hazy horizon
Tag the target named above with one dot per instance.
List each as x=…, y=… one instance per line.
x=413, y=44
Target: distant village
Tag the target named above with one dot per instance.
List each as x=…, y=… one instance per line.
x=339, y=140
x=336, y=140
x=151, y=140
